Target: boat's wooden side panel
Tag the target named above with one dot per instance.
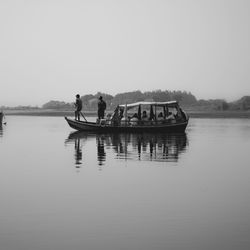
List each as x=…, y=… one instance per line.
x=90, y=126
x=82, y=126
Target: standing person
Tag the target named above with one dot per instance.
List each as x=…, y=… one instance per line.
x=101, y=108
x=78, y=105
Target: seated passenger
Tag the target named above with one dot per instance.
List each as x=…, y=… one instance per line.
x=134, y=120
x=124, y=121
x=108, y=119
x=170, y=116
x=144, y=116
x=160, y=117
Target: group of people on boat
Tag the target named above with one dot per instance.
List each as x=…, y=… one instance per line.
x=138, y=116
x=121, y=116
x=78, y=105
x=135, y=120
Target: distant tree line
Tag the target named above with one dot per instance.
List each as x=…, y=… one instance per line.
x=186, y=100
x=90, y=101
x=242, y=104
x=19, y=107
x=60, y=105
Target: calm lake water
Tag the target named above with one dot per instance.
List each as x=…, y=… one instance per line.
x=61, y=190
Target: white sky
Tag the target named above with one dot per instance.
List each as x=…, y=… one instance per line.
x=53, y=49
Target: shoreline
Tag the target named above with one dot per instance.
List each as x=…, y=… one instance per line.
x=219, y=114
x=192, y=114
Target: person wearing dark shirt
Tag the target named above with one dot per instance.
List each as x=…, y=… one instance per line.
x=101, y=108
x=78, y=105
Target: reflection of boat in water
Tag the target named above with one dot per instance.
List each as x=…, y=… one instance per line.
x=1, y=118
x=1, y=123
x=163, y=116
x=133, y=146
x=1, y=130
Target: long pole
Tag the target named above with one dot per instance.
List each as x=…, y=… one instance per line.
x=83, y=116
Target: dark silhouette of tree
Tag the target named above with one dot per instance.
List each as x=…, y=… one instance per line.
x=57, y=105
x=186, y=99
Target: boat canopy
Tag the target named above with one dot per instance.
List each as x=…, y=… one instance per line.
x=160, y=104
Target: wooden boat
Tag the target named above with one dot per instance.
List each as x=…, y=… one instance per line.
x=172, y=119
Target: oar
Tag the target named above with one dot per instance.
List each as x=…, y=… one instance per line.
x=83, y=116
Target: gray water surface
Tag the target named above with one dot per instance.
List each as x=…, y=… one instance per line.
x=65, y=190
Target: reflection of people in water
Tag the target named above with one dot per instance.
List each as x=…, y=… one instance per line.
x=139, y=143
x=101, y=155
x=151, y=148
x=1, y=130
x=157, y=147
x=78, y=153
x=75, y=140
x=124, y=146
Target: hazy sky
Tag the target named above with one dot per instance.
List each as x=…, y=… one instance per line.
x=53, y=49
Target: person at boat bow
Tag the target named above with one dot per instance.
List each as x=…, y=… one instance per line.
x=101, y=108
x=78, y=105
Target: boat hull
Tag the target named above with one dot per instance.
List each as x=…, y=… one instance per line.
x=94, y=127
